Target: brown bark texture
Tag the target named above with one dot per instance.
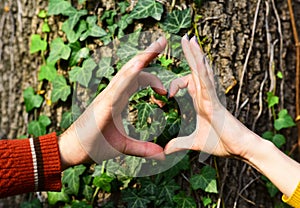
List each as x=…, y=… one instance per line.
x=249, y=41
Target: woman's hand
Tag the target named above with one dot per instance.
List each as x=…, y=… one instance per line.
x=98, y=134
x=217, y=131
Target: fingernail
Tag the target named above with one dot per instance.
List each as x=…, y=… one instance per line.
x=187, y=36
x=196, y=40
x=204, y=59
x=160, y=40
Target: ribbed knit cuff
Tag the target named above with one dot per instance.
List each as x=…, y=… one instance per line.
x=294, y=199
x=29, y=165
x=48, y=163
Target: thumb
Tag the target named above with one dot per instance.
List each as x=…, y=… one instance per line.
x=179, y=144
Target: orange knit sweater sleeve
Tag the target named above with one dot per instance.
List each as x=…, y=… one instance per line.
x=29, y=165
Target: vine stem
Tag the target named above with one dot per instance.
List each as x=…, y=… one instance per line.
x=237, y=109
x=297, y=44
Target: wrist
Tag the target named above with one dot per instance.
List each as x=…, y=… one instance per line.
x=71, y=151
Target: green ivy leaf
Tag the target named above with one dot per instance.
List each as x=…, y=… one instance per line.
x=134, y=165
x=127, y=51
x=45, y=27
x=47, y=72
x=83, y=74
x=44, y=120
x=177, y=20
x=71, y=179
x=73, y=35
x=31, y=99
x=279, y=75
x=105, y=69
x=167, y=76
x=108, y=16
x=184, y=201
x=141, y=94
x=66, y=120
x=61, y=90
x=206, y=201
x=103, y=182
x=93, y=29
x=134, y=200
x=38, y=128
x=42, y=14
x=173, y=122
x=271, y=188
x=147, y=8
x=148, y=187
x=205, y=181
x=56, y=7
x=123, y=6
x=54, y=197
x=74, y=16
x=268, y=135
x=284, y=120
x=134, y=37
x=165, y=62
x=78, y=53
x=81, y=1
x=272, y=99
x=278, y=140
x=144, y=111
x=37, y=44
x=35, y=203
x=88, y=192
x=167, y=190
x=58, y=50
x=123, y=24
x=79, y=204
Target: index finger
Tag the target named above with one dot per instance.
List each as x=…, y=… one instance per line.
x=137, y=63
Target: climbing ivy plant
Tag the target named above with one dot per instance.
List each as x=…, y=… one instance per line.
x=68, y=63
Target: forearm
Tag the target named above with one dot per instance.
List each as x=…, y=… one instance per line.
x=283, y=171
x=262, y=154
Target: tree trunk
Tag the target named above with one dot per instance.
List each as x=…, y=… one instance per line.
x=18, y=68
x=243, y=59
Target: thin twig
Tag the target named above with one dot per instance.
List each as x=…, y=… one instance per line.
x=247, y=59
x=209, y=18
x=223, y=183
x=239, y=185
x=260, y=101
x=280, y=54
x=268, y=34
x=272, y=87
x=247, y=200
x=248, y=184
x=243, y=105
